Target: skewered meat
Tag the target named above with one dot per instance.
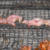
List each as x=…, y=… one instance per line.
x=3, y=21
x=10, y=22
x=25, y=22
x=31, y=22
x=25, y=47
x=47, y=22
x=14, y=18
x=36, y=22
x=44, y=45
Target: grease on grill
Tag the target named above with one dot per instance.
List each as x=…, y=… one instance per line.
x=1, y=41
x=6, y=40
x=21, y=41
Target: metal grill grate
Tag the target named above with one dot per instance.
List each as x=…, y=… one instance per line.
x=42, y=4
x=11, y=37
x=29, y=37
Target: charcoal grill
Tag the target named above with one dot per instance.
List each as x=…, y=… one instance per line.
x=11, y=37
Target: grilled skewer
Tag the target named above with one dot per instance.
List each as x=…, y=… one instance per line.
x=36, y=22
x=14, y=18
x=44, y=45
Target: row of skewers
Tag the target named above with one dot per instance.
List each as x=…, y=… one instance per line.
x=44, y=45
x=35, y=22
